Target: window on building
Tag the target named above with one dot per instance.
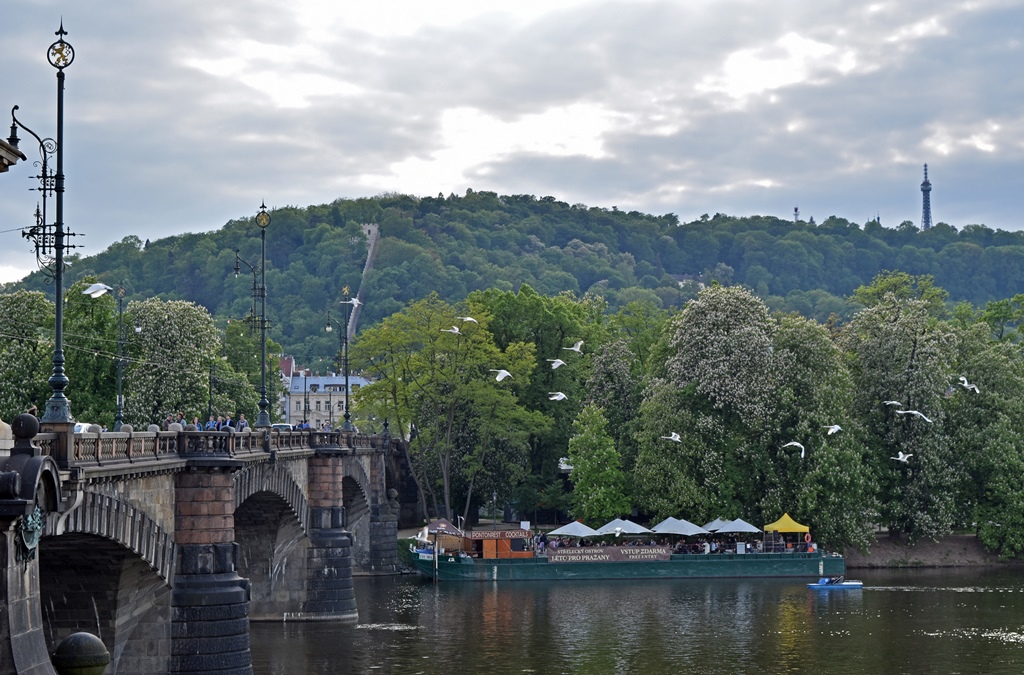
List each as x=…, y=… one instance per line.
x=318, y=405
x=298, y=406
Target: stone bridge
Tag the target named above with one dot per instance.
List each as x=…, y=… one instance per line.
x=166, y=544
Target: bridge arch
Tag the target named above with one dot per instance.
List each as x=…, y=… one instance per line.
x=272, y=477
x=121, y=521
x=271, y=515
x=357, y=494
x=89, y=582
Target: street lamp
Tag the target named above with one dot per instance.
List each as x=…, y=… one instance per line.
x=260, y=291
x=343, y=343
x=51, y=240
x=95, y=291
x=305, y=398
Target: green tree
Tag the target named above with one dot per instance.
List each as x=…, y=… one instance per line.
x=90, y=349
x=26, y=352
x=903, y=286
x=467, y=429
x=598, y=481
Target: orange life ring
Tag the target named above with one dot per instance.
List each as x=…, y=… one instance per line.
x=807, y=537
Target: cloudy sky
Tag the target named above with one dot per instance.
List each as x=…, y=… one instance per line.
x=181, y=115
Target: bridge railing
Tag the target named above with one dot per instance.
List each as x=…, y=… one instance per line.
x=113, y=448
x=289, y=440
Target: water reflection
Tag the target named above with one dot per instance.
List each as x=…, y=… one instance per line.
x=905, y=622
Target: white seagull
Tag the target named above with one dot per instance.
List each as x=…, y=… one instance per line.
x=556, y=396
x=895, y=403
x=555, y=363
x=914, y=412
x=833, y=428
x=355, y=302
x=454, y=330
x=967, y=385
x=797, y=445
x=903, y=458
x=674, y=436
x=578, y=347
x=467, y=318
x=96, y=290
x=501, y=374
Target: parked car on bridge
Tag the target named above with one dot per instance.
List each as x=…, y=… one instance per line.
x=280, y=426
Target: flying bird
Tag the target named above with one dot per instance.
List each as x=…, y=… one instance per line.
x=914, y=412
x=556, y=396
x=355, y=302
x=833, y=428
x=454, y=330
x=555, y=363
x=797, y=445
x=895, y=403
x=501, y=374
x=96, y=290
x=967, y=385
x=674, y=436
x=903, y=458
x=578, y=347
x=467, y=318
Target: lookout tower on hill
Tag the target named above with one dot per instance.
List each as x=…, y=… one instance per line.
x=926, y=201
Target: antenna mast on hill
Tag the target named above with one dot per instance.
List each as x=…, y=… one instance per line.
x=926, y=199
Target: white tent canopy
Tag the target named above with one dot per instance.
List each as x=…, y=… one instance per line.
x=738, y=525
x=676, y=526
x=619, y=526
x=714, y=524
x=573, y=529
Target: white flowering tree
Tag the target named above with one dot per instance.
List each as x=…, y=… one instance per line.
x=738, y=386
x=170, y=359
x=900, y=353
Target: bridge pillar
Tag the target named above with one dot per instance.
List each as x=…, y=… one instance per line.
x=29, y=490
x=209, y=601
x=22, y=642
x=330, y=595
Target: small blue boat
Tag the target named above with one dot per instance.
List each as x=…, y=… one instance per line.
x=837, y=583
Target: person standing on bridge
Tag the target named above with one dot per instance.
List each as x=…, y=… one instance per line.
x=242, y=422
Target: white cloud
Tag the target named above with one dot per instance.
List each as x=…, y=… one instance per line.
x=470, y=138
x=792, y=59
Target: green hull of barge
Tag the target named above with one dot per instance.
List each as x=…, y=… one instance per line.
x=720, y=565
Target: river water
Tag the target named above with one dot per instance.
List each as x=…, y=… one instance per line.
x=912, y=621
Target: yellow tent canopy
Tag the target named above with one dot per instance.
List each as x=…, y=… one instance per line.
x=786, y=524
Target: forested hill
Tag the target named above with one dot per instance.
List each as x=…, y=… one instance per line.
x=457, y=244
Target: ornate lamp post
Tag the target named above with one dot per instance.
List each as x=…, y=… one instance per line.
x=259, y=291
x=95, y=291
x=343, y=344
x=51, y=240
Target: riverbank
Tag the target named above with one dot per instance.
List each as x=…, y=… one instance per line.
x=958, y=550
